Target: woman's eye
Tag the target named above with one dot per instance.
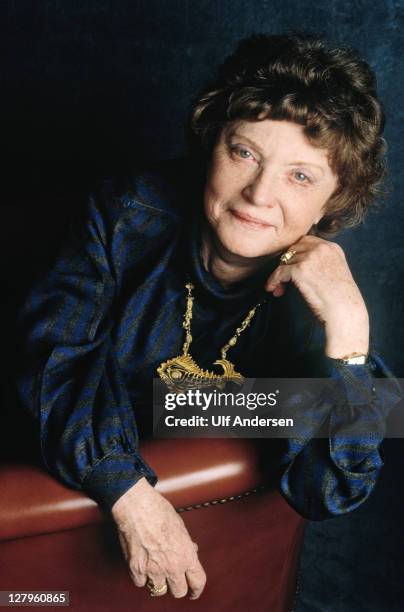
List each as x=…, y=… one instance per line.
x=301, y=177
x=243, y=153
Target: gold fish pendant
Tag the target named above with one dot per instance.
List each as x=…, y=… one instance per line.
x=182, y=373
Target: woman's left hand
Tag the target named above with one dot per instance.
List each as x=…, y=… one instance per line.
x=320, y=272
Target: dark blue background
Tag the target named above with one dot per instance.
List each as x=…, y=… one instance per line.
x=89, y=88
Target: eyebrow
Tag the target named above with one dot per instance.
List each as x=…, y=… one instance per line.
x=246, y=139
x=258, y=148
x=306, y=163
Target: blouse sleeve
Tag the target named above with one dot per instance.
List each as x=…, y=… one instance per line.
x=323, y=477
x=68, y=376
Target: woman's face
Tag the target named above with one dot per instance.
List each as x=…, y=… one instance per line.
x=266, y=187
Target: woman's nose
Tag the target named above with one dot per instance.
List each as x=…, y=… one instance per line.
x=261, y=189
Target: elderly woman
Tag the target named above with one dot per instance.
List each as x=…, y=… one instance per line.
x=288, y=150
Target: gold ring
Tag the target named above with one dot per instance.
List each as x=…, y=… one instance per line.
x=156, y=591
x=286, y=257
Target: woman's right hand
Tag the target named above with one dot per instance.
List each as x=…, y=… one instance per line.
x=156, y=543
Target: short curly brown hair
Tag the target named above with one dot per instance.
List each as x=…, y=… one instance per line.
x=330, y=91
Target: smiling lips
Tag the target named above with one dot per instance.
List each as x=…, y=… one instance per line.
x=249, y=221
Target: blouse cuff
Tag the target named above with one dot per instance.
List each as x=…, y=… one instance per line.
x=115, y=474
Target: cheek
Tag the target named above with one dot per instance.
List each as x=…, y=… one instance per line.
x=218, y=182
x=212, y=204
x=224, y=177
x=301, y=212
x=217, y=193
x=320, y=205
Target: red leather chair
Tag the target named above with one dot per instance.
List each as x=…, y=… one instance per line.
x=56, y=539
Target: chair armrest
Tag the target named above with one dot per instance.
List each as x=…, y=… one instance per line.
x=190, y=472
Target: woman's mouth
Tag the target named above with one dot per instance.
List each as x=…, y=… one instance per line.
x=251, y=222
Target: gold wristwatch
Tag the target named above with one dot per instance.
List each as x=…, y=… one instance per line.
x=354, y=359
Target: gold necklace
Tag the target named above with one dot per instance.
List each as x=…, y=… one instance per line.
x=182, y=373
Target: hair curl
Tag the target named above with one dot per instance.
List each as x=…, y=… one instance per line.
x=329, y=91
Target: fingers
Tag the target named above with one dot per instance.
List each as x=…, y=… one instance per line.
x=302, y=247
x=139, y=579
x=276, y=282
x=312, y=252
x=277, y=290
x=178, y=585
x=196, y=577
x=191, y=583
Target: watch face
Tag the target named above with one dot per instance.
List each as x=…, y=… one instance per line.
x=360, y=360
